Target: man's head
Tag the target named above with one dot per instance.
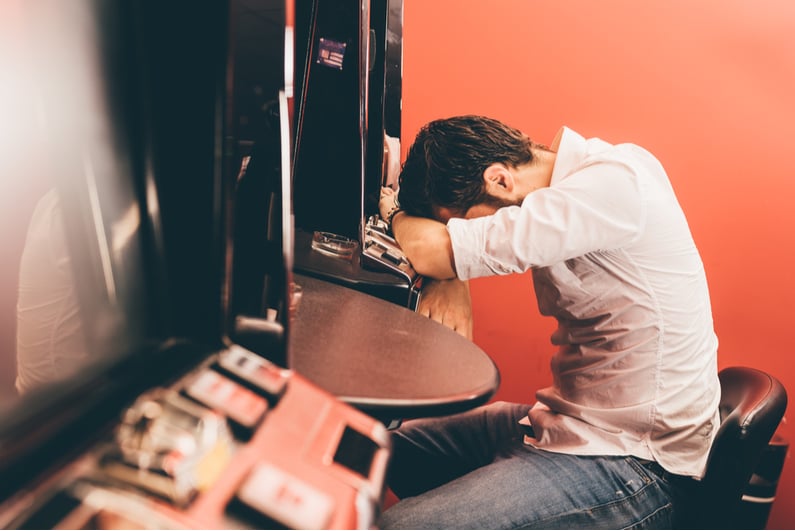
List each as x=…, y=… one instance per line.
x=447, y=169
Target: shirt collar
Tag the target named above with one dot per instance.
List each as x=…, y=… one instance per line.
x=571, y=150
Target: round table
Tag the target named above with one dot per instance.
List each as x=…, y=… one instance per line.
x=384, y=359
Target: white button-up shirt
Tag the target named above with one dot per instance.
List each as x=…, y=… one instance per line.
x=613, y=260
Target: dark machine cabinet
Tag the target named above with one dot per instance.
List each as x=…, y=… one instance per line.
x=348, y=145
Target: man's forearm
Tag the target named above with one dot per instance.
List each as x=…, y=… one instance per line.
x=426, y=244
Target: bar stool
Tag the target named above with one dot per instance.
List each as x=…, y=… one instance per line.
x=752, y=405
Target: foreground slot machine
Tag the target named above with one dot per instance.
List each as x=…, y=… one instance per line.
x=133, y=399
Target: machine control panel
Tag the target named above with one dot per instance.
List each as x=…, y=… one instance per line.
x=382, y=250
x=178, y=459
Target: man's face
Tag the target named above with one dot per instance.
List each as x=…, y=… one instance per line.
x=444, y=214
x=486, y=209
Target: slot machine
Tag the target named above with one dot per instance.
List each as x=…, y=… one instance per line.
x=347, y=145
x=149, y=122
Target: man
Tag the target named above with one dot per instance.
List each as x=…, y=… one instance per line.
x=624, y=430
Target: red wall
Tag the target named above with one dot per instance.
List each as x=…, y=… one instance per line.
x=707, y=86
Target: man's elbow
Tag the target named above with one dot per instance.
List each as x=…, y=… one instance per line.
x=435, y=271
x=431, y=257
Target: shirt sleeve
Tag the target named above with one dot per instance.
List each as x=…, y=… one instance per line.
x=598, y=207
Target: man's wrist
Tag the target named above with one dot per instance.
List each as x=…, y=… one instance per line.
x=392, y=214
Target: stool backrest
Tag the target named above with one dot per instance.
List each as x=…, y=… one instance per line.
x=752, y=405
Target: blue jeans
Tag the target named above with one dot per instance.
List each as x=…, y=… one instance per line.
x=473, y=471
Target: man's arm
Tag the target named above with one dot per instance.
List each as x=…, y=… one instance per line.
x=426, y=244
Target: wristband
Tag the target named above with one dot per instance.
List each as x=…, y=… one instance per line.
x=392, y=214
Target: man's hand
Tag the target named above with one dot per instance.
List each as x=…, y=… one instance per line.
x=448, y=302
x=387, y=204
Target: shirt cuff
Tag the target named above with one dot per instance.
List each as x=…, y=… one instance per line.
x=467, y=237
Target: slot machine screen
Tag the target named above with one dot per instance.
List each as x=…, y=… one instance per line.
x=331, y=124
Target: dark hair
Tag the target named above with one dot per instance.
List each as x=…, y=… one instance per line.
x=445, y=164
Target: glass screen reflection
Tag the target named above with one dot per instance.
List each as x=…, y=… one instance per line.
x=50, y=342
x=122, y=124
x=65, y=159
x=90, y=143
